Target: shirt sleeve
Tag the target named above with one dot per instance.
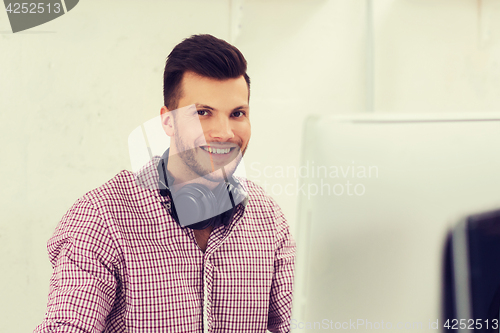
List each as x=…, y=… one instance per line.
x=280, y=304
x=83, y=284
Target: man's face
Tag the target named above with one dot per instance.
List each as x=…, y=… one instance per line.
x=222, y=111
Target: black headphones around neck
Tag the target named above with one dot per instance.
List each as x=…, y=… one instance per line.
x=196, y=206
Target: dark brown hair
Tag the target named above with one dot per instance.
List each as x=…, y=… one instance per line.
x=204, y=55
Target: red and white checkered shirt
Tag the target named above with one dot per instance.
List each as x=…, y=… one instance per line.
x=122, y=264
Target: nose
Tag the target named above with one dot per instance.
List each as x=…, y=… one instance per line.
x=221, y=129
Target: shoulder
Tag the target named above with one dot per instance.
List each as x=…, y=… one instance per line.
x=122, y=187
x=101, y=207
x=256, y=194
x=126, y=189
x=85, y=229
x=260, y=204
x=262, y=212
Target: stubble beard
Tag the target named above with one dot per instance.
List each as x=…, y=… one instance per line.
x=189, y=158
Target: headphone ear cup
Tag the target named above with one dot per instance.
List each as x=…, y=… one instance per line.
x=194, y=203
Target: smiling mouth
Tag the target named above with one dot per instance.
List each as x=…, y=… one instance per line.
x=217, y=151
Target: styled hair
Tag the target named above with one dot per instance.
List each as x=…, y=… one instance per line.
x=204, y=55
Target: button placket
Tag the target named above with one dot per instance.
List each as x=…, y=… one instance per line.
x=207, y=290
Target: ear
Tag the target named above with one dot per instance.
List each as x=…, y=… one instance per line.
x=167, y=121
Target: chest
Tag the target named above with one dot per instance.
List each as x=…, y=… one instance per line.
x=201, y=237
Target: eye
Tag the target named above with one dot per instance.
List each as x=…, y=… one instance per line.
x=238, y=114
x=203, y=112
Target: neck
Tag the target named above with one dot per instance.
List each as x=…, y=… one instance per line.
x=183, y=175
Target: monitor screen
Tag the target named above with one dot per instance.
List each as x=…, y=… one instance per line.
x=379, y=195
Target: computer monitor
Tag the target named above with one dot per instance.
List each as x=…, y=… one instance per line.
x=471, y=279
x=379, y=194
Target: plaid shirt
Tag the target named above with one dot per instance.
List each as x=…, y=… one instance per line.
x=122, y=264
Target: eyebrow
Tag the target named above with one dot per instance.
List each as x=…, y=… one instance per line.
x=203, y=106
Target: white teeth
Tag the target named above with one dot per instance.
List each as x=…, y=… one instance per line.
x=216, y=151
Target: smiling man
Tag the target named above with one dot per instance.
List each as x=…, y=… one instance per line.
x=184, y=245
x=207, y=139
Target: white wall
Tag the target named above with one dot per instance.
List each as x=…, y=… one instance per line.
x=72, y=90
x=437, y=56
